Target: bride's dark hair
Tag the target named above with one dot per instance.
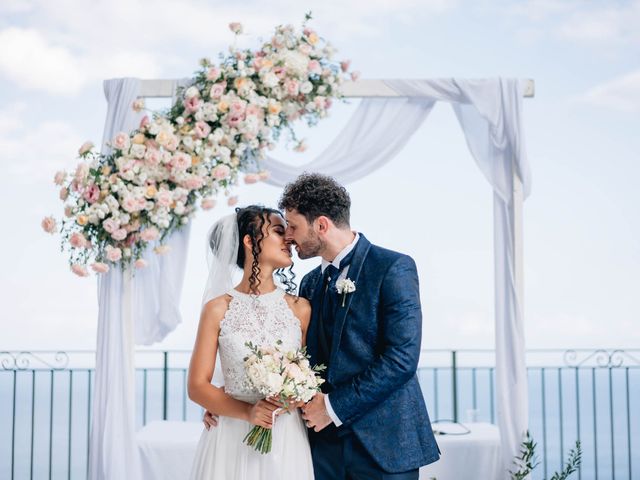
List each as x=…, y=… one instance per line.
x=251, y=221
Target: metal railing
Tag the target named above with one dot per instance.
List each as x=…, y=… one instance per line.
x=586, y=395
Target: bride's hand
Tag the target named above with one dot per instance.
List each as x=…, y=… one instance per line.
x=292, y=404
x=261, y=413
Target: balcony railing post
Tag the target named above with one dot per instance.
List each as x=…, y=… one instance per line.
x=454, y=384
x=165, y=375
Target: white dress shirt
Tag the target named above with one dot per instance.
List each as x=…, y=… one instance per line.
x=336, y=263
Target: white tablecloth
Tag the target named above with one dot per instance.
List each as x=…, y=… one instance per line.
x=167, y=450
x=470, y=456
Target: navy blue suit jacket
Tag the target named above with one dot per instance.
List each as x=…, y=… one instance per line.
x=375, y=347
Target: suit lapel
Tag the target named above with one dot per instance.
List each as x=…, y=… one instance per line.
x=355, y=267
x=316, y=306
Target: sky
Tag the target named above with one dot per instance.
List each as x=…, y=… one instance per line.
x=581, y=222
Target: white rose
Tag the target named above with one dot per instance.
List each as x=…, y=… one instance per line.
x=191, y=92
x=270, y=80
x=306, y=87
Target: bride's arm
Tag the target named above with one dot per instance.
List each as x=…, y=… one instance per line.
x=201, y=369
x=301, y=308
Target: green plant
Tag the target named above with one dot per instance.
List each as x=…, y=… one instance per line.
x=527, y=461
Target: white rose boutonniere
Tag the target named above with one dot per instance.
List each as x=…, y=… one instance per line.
x=344, y=286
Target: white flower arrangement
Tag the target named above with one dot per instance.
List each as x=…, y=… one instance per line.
x=345, y=286
x=152, y=182
x=289, y=376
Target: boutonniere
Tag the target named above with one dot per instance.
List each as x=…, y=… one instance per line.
x=344, y=286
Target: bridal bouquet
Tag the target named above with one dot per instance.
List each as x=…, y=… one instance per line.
x=285, y=375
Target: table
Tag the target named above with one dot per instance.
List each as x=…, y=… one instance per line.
x=474, y=455
x=167, y=449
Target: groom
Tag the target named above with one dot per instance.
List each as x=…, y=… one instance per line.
x=370, y=421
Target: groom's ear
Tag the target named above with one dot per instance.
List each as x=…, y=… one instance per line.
x=322, y=224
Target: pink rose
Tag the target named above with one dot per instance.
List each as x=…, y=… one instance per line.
x=254, y=110
x=77, y=240
x=79, y=270
x=59, y=177
x=92, y=194
x=220, y=172
x=301, y=147
x=250, y=178
x=119, y=234
x=152, y=157
x=100, y=267
x=208, y=203
x=235, y=27
x=232, y=201
x=85, y=148
x=344, y=65
x=192, y=104
x=129, y=204
x=237, y=107
x=149, y=234
x=234, y=120
x=121, y=141
x=355, y=76
x=181, y=161
x=144, y=123
x=217, y=89
x=314, y=67
x=49, y=224
x=110, y=225
x=164, y=198
x=202, y=129
x=193, y=182
x=64, y=193
x=140, y=263
x=292, y=87
x=113, y=254
x=213, y=74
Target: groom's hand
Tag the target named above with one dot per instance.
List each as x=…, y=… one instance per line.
x=209, y=419
x=315, y=413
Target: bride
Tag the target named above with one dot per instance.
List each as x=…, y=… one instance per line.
x=256, y=311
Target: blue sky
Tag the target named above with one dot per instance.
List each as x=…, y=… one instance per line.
x=581, y=224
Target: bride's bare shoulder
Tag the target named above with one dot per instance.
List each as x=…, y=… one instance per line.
x=216, y=307
x=300, y=306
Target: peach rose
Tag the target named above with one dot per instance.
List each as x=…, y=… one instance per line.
x=79, y=270
x=77, y=240
x=250, y=178
x=208, y=203
x=232, y=201
x=140, y=263
x=149, y=234
x=49, y=224
x=121, y=141
x=162, y=249
x=85, y=148
x=100, y=267
x=113, y=254
x=59, y=177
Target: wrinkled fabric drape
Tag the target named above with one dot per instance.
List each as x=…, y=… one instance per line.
x=134, y=307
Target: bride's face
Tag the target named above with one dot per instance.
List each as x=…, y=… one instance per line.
x=274, y=250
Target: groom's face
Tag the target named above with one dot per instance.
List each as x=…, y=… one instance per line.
x=302, y=235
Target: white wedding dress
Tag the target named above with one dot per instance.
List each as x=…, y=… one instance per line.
x=221, y=453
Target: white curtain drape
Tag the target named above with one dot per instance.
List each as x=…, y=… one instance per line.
x=490, y=114
x=138, y=307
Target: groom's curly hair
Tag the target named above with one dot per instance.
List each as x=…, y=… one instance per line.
x=314, y=195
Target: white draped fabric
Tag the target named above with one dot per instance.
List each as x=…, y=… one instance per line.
x=139, y=308
x=143, y=309
x=489, y=112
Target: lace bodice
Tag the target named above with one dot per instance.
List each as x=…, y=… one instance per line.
x=262, y=320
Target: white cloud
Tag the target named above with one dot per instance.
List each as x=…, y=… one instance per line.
x=67, y=45
x=622, y=93
x=29, y=60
